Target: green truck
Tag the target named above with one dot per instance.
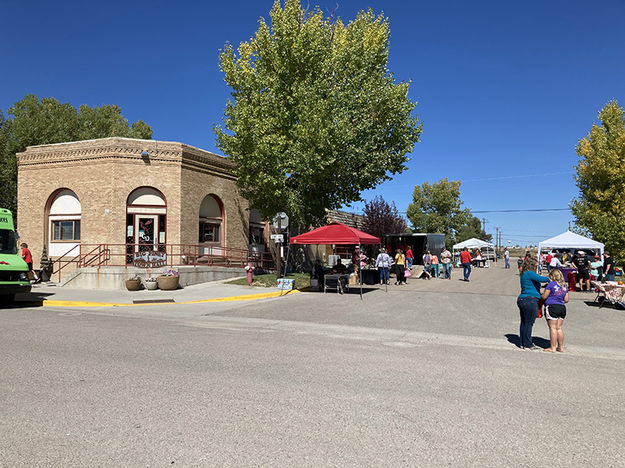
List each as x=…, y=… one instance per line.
x=13, y=269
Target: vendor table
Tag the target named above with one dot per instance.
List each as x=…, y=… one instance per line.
x=340, y=282
x=610, y=290
x=370, y=276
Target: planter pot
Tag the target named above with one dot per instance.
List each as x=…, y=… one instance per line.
x=133, y=284
x=168, y=283
x=151, y=285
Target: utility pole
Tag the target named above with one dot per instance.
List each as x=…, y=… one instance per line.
x=496, y=242
x=484, y=224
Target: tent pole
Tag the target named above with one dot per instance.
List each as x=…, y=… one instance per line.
x=286, y=264
x=386, y=281
x=360, y=271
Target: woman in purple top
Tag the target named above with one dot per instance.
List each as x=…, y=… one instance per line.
x=556, y=295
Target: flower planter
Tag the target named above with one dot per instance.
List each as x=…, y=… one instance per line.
x=133, y=284
x=168, y=283
x=151, y=285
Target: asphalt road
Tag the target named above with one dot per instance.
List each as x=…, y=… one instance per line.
x=427, y=375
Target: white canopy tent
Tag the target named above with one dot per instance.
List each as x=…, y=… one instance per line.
x=473, y=243
x=570, y=240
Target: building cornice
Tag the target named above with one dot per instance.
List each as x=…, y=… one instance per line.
x=116, y=148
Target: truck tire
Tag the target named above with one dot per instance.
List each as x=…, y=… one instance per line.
x=6, y=299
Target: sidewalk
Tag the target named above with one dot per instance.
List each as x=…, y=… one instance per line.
x=216, y=291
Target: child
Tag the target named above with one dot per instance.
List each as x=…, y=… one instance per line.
x=28, y=258
x=556, y=295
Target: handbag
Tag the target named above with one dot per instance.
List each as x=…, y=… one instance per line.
x=407, y=273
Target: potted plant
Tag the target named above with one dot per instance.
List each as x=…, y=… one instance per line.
x=169, y=280
x=151, y=283
x=133, y=283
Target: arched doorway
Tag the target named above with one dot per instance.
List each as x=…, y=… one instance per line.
x=146, y=221
x=63, y=216
x=211, y=223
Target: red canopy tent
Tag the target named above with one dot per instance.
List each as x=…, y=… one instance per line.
x=335, y=233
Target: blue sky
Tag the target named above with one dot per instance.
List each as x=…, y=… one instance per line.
x=504, y=89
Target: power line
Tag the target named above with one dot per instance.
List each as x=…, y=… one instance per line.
x=519, y=211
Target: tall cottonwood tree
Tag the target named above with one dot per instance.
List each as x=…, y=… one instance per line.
x=37, y=122
x=316, y=116
x=600, y=207
x=437, y=208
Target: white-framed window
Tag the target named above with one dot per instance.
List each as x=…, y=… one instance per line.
x=209, y=231
x=210, y=220
x=66, y=230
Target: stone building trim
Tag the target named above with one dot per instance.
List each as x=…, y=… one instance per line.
x=118, y=148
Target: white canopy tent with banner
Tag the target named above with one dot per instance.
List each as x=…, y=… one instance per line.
x=570, y=240
x=473, y=243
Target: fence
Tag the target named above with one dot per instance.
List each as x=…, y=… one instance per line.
x=85, y=255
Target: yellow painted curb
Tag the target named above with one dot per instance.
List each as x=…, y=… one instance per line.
x=247, y=297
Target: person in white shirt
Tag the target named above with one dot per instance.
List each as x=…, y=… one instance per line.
x=555, y=263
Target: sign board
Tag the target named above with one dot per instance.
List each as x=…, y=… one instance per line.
x=277, y=237
x=284, y=220
x=149, y=259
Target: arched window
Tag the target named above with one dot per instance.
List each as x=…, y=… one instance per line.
x=64, y=212
x=146, y=211
x=211, y=220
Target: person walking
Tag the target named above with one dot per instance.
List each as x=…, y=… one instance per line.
x=28, y=258
x=383, y=262
x=528, y=301
x=400, y=267
x=608, y=267
x=446, y=261
x=465, y=261
x=409, y=258
x=506, y=258
x=556, y=295
x=435, y=266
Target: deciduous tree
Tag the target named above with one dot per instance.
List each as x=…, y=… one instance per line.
x=382, y=218
x=38, y=122
x=316, y=115
x=437, y=208
x=599, y=209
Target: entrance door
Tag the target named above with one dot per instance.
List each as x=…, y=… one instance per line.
x=146, y=232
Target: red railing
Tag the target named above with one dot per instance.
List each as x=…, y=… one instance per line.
x=95, y=255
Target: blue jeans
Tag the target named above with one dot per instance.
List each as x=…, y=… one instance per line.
x=447, y=270
x=466, y=270
x=528, y=308
x=408, y=263
x=507, y=262
x=383, y=274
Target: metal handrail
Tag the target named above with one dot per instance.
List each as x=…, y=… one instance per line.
x=177, y=255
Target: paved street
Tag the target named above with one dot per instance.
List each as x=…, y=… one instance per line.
x=426, y=374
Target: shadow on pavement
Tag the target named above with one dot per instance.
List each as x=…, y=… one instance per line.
x=538, y=341
x=603, y=303
x=23, y=301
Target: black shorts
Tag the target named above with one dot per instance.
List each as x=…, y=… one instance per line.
x=583, y=274
x=555, y=311
x=30, y=266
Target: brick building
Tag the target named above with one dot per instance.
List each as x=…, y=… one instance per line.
x=136, y=194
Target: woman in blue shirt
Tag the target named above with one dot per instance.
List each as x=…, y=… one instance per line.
x=528, y=301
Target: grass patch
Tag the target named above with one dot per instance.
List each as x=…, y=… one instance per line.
x=268, y=280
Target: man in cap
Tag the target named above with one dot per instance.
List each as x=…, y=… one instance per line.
x=583, y=270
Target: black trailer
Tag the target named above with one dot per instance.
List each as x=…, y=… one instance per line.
x=418, y=242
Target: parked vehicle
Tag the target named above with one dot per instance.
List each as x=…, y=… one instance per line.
x=13, y=269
